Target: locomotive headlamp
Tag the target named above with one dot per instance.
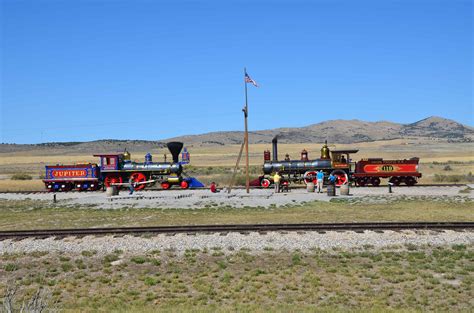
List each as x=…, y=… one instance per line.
x=79, y=186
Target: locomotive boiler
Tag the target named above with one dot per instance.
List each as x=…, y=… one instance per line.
x=294, y=167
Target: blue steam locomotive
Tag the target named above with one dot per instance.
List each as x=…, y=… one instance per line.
x=118, y=169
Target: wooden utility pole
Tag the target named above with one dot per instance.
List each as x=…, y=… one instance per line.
x=235, y=168
x=246, y=136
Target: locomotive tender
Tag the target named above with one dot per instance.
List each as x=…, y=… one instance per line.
x=68, y=177
x=338, y=163
x=117, y=169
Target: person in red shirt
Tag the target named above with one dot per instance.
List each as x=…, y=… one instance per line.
x=213, y=187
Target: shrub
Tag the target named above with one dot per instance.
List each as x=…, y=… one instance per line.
x=88, y=253
x=151, y=281
x=40, y=301
x=454, y=178
x=139, y=260
x=296, y=259
x=10, y=267
x=447, y=168
x=109, y=258
x=66, y=267
x=21, y=176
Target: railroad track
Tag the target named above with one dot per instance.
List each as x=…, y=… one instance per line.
x=358, y=227
x=235, y=187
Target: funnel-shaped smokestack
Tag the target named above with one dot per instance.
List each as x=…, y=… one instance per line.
x=275, y=148
x=175, y=148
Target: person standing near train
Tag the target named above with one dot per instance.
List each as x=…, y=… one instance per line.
x=131, y=185
x=276, y=180
x=332, y=179
x=320, y=180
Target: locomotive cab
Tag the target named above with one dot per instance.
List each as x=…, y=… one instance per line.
x=341, y=158
x=110, y=161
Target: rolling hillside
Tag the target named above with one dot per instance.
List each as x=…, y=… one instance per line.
x=335, y=131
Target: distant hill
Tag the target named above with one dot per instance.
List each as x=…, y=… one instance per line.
x=334, y=131
x=88, y=147
x=343, y=131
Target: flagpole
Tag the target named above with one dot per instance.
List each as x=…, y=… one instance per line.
x=246, y=137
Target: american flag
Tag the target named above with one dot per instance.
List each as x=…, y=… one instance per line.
x=250, y=80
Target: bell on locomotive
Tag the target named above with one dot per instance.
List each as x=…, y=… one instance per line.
x=127, y=156
x=325, y=151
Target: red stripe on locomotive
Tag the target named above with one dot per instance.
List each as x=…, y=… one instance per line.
x=389, y=168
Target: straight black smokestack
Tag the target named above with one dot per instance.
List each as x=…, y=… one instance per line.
x=275, y=148
x=175, y=148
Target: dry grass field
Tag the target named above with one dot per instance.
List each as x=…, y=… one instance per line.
x=215, y=162
x=394, y=279
x=36, y=214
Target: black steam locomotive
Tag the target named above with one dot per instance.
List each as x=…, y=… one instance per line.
x=335, y=162
x=365, y=172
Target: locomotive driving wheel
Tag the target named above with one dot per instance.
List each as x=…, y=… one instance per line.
x=138, y=178
x=165, y=185
x=111, y=180
x=310, y=177
x=265, y=183
x=341, y=177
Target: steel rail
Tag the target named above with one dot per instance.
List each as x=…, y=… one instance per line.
x=43, y=233
x=234, y=187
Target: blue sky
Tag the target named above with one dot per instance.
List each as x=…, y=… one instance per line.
x=86, y=70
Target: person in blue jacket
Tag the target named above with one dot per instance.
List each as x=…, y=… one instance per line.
x=131, y=185
x=320, y=180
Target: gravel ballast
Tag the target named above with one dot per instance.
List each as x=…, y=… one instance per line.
x=230, y=242
x=194, y=199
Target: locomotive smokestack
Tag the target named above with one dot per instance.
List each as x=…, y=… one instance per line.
x=275, y=148
x=175, y=148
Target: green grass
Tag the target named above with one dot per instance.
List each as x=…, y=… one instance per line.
x=21, y=176
x=33, y=214
x=397, y=279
